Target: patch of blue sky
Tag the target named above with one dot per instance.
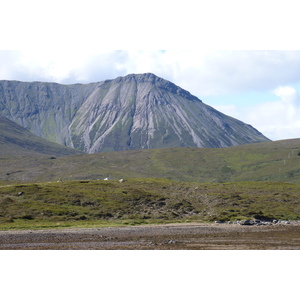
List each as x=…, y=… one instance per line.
x=244, y=99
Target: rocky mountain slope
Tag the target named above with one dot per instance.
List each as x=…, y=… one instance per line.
x=133, y=112
x=16, y=140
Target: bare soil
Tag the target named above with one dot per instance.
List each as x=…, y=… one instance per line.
x=158, y=237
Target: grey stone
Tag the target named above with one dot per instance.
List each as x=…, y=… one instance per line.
x=171, y=242
x=247, y=222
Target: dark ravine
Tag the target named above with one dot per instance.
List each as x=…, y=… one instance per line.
x=133, y=112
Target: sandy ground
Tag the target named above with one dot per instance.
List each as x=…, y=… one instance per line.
x=158, y=237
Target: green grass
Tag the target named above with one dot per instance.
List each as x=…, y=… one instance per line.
x=142, y=201
x=161, y=186
x=16, y=140
x=271, y=161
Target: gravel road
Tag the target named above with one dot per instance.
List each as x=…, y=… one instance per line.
x=157, y=237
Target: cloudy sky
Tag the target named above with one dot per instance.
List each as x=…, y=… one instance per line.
x=255, y=77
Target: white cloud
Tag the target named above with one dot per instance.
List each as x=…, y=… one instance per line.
x=226, y=72
x=202, y=72
x=277, y=120
x=62, y=66
x=207, y=73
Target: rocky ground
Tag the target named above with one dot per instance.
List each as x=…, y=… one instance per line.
x=158, y=237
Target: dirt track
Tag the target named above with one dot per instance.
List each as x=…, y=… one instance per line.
x=173, y=237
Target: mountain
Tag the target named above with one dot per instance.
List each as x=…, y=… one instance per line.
x=16, y=140
x=138, y=111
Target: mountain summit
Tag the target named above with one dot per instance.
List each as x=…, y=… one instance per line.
x=132, y=112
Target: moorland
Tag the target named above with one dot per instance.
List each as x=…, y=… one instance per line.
x=158, y=186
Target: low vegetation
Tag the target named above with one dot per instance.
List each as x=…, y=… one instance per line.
x=271, y=161
x=16, y=140
x=86, y=203
x=188, y=184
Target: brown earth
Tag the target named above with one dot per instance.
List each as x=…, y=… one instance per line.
x=158, y=237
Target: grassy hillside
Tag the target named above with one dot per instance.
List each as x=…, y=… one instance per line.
x=138, y=201
x=271, y=161
x=16, y=140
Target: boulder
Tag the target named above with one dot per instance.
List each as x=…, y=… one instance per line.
x=247, y=222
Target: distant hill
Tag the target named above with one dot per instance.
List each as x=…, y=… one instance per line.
x=138, y=111
x=16, y=140
x=269, y=161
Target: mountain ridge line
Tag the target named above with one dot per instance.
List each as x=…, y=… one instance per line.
x=137, y=111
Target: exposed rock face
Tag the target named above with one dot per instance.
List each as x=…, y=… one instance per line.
x=131, y=112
